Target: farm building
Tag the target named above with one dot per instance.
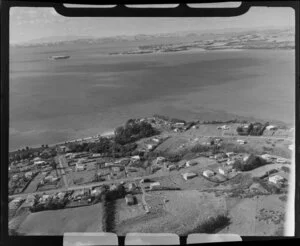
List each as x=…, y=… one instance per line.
x=208, y=173
x=187, y=176
x=129, y=199
x=276, y=179
x=191, y=163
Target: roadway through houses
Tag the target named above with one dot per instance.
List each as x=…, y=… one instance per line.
x=63, y=165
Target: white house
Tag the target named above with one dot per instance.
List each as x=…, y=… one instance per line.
x=276, y=179
x=271, y=128
x=292, y=147
x=208, y=173
x=150, y=146
x=187, y=176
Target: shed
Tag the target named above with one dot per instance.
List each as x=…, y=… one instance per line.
x=187, y=176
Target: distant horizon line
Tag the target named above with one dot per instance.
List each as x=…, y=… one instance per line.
x=74, y=37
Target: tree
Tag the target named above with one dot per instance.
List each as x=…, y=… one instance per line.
x=54, y=166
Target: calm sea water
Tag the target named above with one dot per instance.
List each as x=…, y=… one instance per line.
x=90, y=93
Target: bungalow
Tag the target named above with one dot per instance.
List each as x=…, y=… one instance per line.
x=276, y=179
x=271, y=128
x=187, y=176
x=153, y=185
x=225, y=170
x=208, y=173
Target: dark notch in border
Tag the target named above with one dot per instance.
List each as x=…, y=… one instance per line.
x=180, y=11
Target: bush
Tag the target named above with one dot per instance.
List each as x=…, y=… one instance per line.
x=212, y=225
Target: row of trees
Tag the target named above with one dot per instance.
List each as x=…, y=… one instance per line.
x=255, y=129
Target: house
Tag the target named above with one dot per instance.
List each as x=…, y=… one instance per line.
x=108, y=164
x=208, y=173
x=230, y=162
x=156, y=140
x=96, y=155
x=225, y=170
x=37, y=159
x=191, y=163
x=129, y=199
x=28, y=175
x=131, y=186
x=160, y=160
x=79, y=167
x=292, y=147
x=276, y=179
x=179, y=124
x=281, y=160
x=271, y=128
x=155, y=184
x=135, y=158
x=39, y=163
x=187, y=176
x=49, y=178
x=116, y=169
x=44, y=199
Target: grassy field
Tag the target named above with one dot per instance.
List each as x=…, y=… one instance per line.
x=57, y=222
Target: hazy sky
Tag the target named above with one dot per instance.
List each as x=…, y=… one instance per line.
x=33, y=23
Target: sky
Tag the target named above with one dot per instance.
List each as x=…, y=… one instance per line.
x=28, y=23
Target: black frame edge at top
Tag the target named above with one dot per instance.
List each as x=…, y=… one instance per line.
x=57, y=240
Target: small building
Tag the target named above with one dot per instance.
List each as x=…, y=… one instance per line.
x=281, y=160
x=96, y=155
x=37, y=159
x=160, y=160
x=39, y=163
x=15, y=177
x=156, y=140
x=292, y=147
x=276, y=179
x=230, y=154
x=79, y=167
x=208, y=173
x=225, y=170
x=271, y=128
x=108, y=164
x=150, y=146
x=191, y=163
x=130, y=199
x=187, y=176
